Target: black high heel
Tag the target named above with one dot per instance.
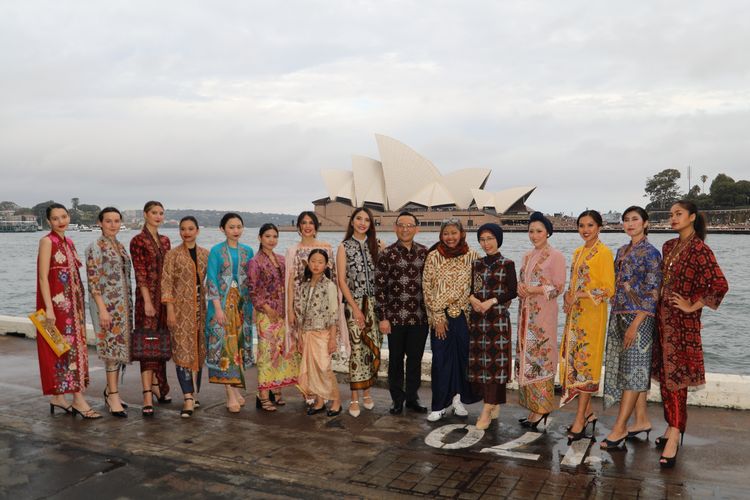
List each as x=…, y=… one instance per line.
x=660, y=442
x=52, y=407
x=577, y=436
x=121, y=413
x=633, y=434
x=89, y=414
x=148, y=410
x=613, y=445
x=162, y=399
x=669, y=462
x=535, y=424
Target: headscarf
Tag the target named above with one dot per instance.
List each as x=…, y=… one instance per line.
x=493, y=228
x=462, y=248
x=539, y=217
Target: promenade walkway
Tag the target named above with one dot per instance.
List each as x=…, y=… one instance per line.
x=285, y=454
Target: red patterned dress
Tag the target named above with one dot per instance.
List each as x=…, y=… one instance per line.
x=69, y=372
x=148, y=262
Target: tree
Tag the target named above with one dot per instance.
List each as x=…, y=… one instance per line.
x=723, y=191
x=40, y=211
x=693, y=193
x=662, y=188
x=74, y=203
x=742, y=196
x=704, y=178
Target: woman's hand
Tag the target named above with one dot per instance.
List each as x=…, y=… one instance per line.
x=521, y=290
x=487, y=305
x=630, y=335
x=105, y=320
x=292, y=317
x=171, y=318
x=148, y=308
x=219, y=317
x=441, y=330
x=271, y=313
x=50, y=313
x=359, y=318
x=385, y=327
x=475, y=304
x=681, y=303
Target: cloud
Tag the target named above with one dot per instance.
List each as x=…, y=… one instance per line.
x=240, y=104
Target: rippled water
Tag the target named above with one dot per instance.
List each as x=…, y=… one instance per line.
x=725, y=340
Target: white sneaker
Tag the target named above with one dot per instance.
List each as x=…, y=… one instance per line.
x=458, y=407
x=436, y=415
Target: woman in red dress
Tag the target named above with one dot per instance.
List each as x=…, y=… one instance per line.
x=691, y=279
x=147, y=250
x=60, y=293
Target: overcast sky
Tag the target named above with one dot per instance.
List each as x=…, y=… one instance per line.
x=239, y=104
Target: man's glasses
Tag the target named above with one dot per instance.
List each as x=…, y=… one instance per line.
x=401, y=225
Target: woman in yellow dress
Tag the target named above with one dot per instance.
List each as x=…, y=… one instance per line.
x=592, y=283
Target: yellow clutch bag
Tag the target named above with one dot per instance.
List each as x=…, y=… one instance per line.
x=52, y=335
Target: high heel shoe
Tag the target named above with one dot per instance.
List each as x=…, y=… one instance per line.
x=535, y=424
x=613, y=445
x=668, y=462
x=161, y=398
x=185, y=413
x=661, y=441
x=588, y=421
x=120, y=413
x=277, y=398
x=148, y=410
x=264, y=404
x=52, y=407
x=89, y=414
x=633, y=434
x=495, y=413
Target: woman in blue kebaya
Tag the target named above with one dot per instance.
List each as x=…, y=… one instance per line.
x=229, y=316
x=632, y=325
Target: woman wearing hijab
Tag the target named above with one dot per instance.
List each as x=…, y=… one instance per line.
x=446, y=283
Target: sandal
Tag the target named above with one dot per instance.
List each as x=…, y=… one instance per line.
x=89, y=414
x=279, y=400
x=148, y=410
x=264, y=404
x=368, y=403
x=165, y=399
x=185, y=413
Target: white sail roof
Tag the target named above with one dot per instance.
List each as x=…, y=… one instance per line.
x=501, y=201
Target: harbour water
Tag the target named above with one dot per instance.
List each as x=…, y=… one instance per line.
x=725, y=342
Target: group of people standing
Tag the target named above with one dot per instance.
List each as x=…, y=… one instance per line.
x=309, y=306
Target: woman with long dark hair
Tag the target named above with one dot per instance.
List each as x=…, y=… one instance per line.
x=592, y=283
x=631, y=328
x=111, y=304
x=355, y=263
x=691, y=279
x=148, y=249
x=59, y=293
x=277, y=360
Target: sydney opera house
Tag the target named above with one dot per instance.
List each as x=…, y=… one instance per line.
x=405, y=180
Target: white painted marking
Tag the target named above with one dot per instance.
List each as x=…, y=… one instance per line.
x=511, y=454
x=436, y=438
x=505, y=449
x=575, y=453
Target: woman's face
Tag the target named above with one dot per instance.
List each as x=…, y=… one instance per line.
x=59, y=220
x=633, y=224
x=680, y=218
x=450, y=236
x=361, y=223
x=110, y=224
x=233, y=229
x=307, y=227
x=588, y=229
x=538, y=234
x=154, y=216
x=269, y=239
x=317, y=264
x=488, y=242
x=188, y=231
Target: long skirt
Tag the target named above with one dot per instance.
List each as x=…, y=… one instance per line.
x=538, y=397
x=277, y=366
x=627, y=369
x=231, y=369
x=364, y=361
x=316, y=376
x=450, y=362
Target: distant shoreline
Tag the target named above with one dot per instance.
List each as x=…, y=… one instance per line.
x=522, y=229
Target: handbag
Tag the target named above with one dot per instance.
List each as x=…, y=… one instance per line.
x=51, y=334
x=150, y=345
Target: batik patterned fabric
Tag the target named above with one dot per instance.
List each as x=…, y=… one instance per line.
x=582, y=347
x=69, y=372
x=637, y=281
x=108, y=272
x=364, y=343
x=295, y=263
x=538, y=397
x=316, y=306
x=689, y=269
x=229, y=347
x=494, y=276
x=277, y=358
x=398, y=285
x=182, y=286
x=446, y=283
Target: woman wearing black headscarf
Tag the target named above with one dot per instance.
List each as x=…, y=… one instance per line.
x=493, y=286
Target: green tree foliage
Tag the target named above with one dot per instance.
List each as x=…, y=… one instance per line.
x=39, y=210
x=723, y=191
x=662, y=189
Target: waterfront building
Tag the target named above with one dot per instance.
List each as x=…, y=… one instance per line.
x=405, y=180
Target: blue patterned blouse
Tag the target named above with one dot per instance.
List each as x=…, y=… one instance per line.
x=637, y=279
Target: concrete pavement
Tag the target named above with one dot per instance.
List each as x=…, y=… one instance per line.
x=288, y=454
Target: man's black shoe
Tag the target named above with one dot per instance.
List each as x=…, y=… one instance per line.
x=397, y=408
x=416, y=406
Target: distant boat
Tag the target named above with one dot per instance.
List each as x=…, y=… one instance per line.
x=123, y=227
x=83, y=228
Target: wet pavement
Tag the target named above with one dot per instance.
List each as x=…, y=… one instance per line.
x=287, y=454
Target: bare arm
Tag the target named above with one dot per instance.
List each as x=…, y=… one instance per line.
x=45, y=251
x=344, y=287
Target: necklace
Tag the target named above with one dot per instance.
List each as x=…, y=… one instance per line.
x=673, y=256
